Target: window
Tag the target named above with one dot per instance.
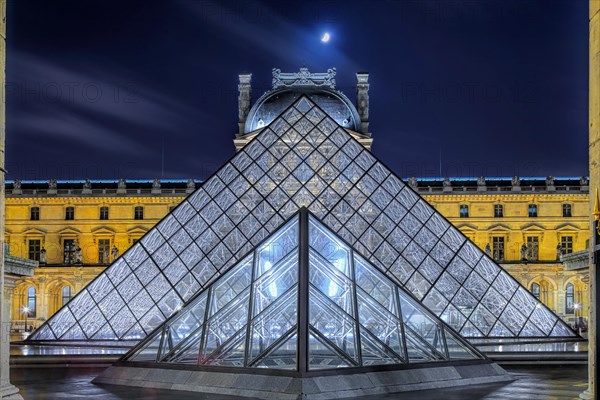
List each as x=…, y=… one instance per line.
x=498, y=248
x=35, y=248
x=498, y=211
x=566, y=210
x=464, y=211
x=34, y=213
x=533, y=211
x=570, y=299
x=138, y=213
x=533, y=243
x=31, y=303
x=66, y=294
x=566, y=242
x=104, y=213
x=69, y=251
x=70, y=213
x=535, y=290
x=103, y=251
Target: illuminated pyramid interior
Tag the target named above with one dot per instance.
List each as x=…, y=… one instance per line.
x=305, y=303
x=303, y=158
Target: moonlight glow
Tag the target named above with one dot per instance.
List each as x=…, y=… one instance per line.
x=325, y=38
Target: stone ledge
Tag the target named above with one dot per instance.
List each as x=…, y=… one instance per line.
x=270, y=387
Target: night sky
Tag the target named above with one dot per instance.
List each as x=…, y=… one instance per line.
x=95, y=88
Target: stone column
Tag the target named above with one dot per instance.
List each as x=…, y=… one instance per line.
x=245, y=89
x=7, y=390
x=594, y=159
x=362, y=100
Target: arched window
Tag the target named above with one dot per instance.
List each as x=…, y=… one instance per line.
x=66, y=294
x=535, y=290
x=570, y=299
x=31, y=303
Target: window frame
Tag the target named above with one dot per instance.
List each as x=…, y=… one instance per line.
x=31, y=301
x=63, y=296
x=35, y=252
x=104, y=213
x=566, y=242
x=532, y=210
x=571, y=296
x=34, y=213
x=69, y=213
x=498, y=210
x=138, y=213
x=536, y=290
x=498, y=248
x=463, y=211
x=567, y=210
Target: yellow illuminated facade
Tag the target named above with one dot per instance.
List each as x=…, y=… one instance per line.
x=76, y=232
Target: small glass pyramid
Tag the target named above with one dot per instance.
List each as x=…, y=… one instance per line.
x=303, y=159
x=302, y=291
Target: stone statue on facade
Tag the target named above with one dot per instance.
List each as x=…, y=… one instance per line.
x=121, y=184
x=87, y=184
x=191, y=185
x=559, y=251
x=115, y=253
x=550, y=180
x=584, y=181
x=447, y=182
x=43, y=256
x=52, y=184
x=524, y=252
x=488, y=250
x=156, y=184
x=516, y=181
x=412, y=182
x=481, y=181
x=17, y=184
x=78, y=255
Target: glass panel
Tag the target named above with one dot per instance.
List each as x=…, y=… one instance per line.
x=456, y=350
x=232, y=284
x=330, y=282
x=322, y=356
x=150, y=351
x=277, y=247
x=276, y=321
x=275, y=282
x=375, y=284
x=380, y=322
x=374, y=352
x=333, y=324
x=282, y=357
x=329, y=247
x=420, y=323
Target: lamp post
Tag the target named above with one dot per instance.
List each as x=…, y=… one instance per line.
x=577, y=306
x=25, y=310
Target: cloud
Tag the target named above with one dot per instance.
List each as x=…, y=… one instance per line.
x=109, y=112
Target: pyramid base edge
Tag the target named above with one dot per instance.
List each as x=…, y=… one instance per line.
x=270, y=387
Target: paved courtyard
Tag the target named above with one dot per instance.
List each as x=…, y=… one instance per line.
x=545, y=382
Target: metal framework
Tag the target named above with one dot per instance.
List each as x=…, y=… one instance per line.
x=303, y=301
x=303, y=159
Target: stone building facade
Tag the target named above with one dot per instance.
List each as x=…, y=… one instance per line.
x=79, y=227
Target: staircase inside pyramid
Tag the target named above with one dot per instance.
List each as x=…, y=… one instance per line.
x=303, y=291
x=304, y=159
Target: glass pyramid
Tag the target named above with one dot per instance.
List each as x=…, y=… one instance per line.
x=302, y=159
x=302, y=300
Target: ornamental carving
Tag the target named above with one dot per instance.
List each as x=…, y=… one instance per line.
x=303, y=78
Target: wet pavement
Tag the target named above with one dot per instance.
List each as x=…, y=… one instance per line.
x=531, y=383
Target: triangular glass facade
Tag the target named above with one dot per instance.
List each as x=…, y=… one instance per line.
x=303, y=300
x=303, y=159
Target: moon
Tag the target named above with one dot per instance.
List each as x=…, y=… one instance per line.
x=325, y=38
